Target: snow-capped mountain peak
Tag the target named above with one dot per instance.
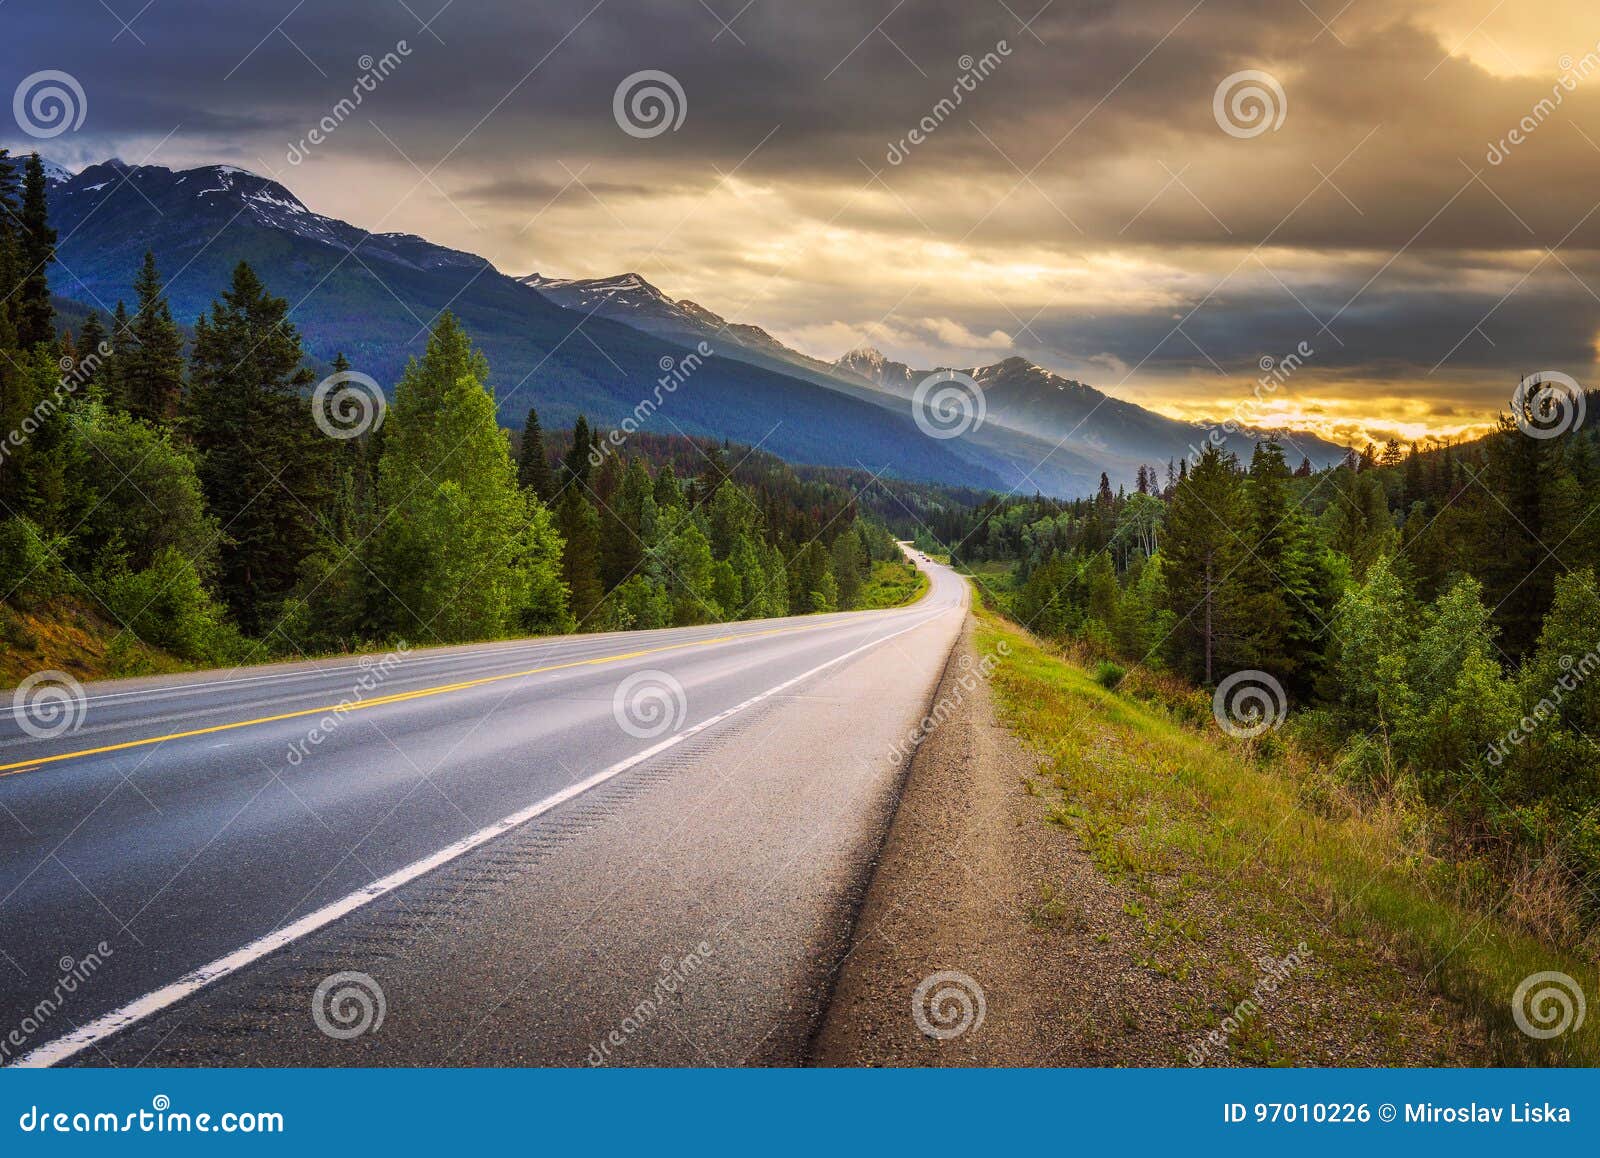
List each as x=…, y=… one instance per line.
x=55, y=174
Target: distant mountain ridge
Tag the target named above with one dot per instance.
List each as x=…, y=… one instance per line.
x=631, y=299
x=1026, y=397
x=1081, y=428
x=570, y=346
x=373, y=296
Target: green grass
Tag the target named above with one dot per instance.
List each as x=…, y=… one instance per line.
x=893, y=584
x=1176, y=812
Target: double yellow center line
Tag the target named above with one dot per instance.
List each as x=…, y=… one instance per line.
x=399, y=697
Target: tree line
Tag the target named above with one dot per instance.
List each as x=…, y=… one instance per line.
x=1432, y=615
x=194, y=490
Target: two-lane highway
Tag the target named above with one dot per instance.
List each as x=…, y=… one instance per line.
x=162, y=864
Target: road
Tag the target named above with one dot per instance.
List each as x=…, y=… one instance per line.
x=633, y=848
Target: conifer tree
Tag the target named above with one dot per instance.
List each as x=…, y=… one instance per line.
x=35, y=317
x=150, y=369
x=90, y=355
x=627, y=525
x=575, y=467
x=1281, y=573
x=533, y=466
x=262, y=459
x=846, y=565
x=579, y=527
x=1203, y=552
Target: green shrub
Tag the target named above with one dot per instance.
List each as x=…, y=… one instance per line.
x=25, y=566
x=167, y=606
x=1108, y=675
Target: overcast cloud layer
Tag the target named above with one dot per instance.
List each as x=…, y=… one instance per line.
x=1082, y=206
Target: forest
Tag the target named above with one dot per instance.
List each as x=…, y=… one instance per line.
x=188, y=487
x=1431, y=615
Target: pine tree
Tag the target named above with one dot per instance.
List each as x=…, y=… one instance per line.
x=1203, y=553
x=627, y=526
x=112, y=378
x=846, y=565
x=669, y=498
x=1280, y=574
x=711, y=477
x=575, y=467
x=35, y=317
x=151, y=368
x=579, y=527
x=16, y=395
x=92, y=349
x=533, y=467
x=1531, y=514
x=10, y=241
x=263, y=463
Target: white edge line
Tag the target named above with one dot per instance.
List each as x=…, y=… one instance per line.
x=102, y=1027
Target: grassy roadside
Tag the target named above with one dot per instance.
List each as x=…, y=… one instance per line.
x=1224, y=843
x=63, y=635
x=893, y=584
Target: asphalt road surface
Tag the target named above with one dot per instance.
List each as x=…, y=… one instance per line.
x=634, y=848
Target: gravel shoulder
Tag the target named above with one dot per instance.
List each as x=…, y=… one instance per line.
x=988, y=902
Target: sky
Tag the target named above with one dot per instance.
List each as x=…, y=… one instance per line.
x=1392, y=204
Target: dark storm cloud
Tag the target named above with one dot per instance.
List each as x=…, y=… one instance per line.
x=1389, y=195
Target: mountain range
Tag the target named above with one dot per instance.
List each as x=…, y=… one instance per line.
x=596, y=347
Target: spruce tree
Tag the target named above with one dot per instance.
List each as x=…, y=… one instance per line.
x=263, y=461
x=846, y=564
x=151, y=368
x=576, y=467
x=533, y=466
x=579, y=527
x=110, y=375
x=10, y=241
x=627, y=525
x=35, y=317
x=1281, y=573
x=1203, y=553
x=92, y=349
